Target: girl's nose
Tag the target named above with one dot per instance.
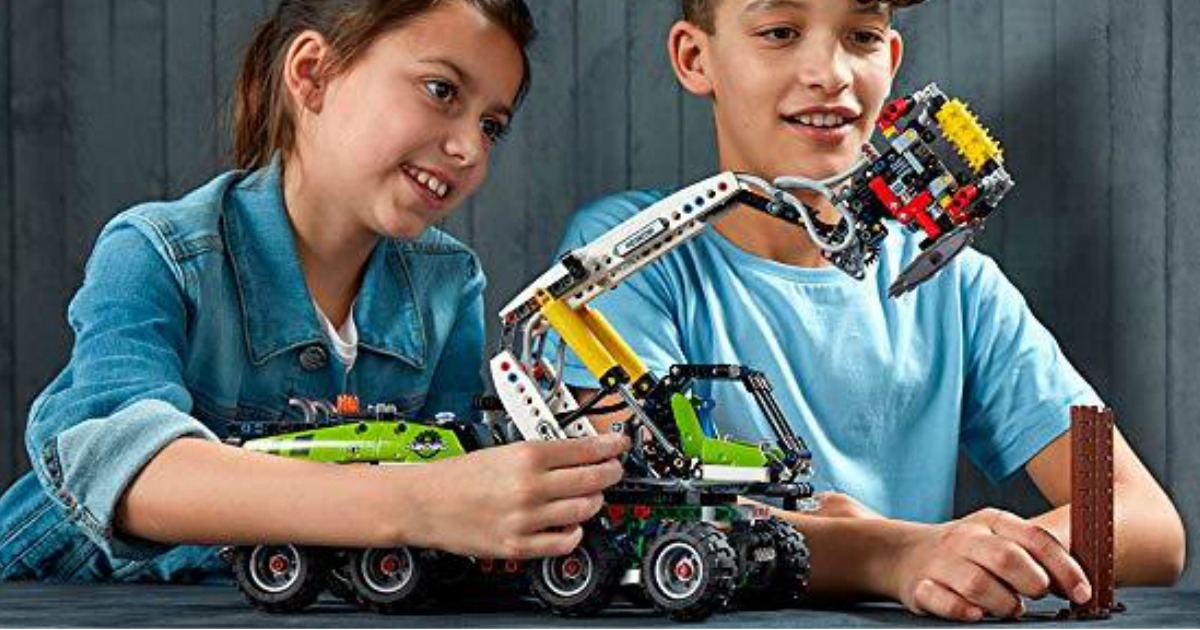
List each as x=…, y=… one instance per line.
x=466, y=145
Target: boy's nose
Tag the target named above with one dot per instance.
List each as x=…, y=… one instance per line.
x=827, y=69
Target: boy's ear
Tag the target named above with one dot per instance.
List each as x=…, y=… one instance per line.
x=687, y=46
x=302, y=70
x=896, y=45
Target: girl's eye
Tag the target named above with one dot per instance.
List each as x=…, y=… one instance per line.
x=780, y=34
x=440, y=90
x=493, y=129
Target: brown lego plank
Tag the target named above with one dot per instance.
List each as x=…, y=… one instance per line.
x=1092, y=506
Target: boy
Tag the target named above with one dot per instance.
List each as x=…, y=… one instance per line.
x=884, y=391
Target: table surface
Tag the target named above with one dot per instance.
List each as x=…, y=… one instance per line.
x=31, y=604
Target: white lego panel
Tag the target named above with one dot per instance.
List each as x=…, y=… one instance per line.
x=521, y=399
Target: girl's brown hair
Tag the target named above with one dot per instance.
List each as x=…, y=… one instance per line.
x=262, y=114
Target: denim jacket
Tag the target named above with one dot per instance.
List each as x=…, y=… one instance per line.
x=194, y=320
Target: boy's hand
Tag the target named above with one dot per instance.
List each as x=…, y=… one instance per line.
x=517, y=501
x=983, y=564
x=840, y=505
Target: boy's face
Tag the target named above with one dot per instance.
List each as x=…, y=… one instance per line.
x=797, y=85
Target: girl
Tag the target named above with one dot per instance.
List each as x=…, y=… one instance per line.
x=312, y=270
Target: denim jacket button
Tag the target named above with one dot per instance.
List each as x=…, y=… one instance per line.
x=314, y=358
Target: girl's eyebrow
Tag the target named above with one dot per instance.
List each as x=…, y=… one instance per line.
x=454, y=68
x=466, y=78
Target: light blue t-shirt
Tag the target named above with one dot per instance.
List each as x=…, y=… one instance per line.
x=884, y=391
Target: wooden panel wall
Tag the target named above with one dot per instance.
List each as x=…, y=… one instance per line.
x=107, y=102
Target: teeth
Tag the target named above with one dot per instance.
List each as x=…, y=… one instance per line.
x=435, y=185
x=821, y=120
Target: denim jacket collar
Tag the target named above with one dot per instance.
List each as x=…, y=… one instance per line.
x=277, y=310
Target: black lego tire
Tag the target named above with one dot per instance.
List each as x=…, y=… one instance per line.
x=279, y=589
x=710, y=561
x=388, y=581
x=793, y=566
x=338, y=584
x=600, y=564
x=452, y=578
x=756, y=559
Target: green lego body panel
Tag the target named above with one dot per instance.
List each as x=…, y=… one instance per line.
x=712, y=451
x=367, y=441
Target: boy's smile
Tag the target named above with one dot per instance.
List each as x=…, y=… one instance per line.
x=796, y=84
x=824, y=124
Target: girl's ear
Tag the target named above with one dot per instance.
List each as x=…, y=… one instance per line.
x=687, y=46
x=302, y=70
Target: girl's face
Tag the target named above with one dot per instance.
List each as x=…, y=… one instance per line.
x=404, y=134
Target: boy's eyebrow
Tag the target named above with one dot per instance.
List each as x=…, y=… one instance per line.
x=764, y=6
x=466, y=79
x=873, y=8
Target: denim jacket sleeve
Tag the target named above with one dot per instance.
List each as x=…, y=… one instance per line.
x=121, y=398
x=457, y=378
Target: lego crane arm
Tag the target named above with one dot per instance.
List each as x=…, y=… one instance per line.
x=907, y=182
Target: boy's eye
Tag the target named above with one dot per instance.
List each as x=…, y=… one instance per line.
x=780, y=34
x=441, y=90
x=866, y=38
x=493, y=129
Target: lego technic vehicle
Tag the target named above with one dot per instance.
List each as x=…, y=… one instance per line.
x=673, y=532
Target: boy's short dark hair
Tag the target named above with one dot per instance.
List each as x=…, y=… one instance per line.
x=700, y=12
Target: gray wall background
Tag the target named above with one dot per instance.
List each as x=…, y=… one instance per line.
x=107, y=102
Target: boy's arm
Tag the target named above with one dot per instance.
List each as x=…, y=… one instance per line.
x=1150, y=542
x=981, y=563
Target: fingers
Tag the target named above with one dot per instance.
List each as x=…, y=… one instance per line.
x=936, y=599
x=1047, y=551
x=979, y=587
x=577, y=451
x=565, y=512
x=582, y=480
x=1011, y=563
x=545, y=544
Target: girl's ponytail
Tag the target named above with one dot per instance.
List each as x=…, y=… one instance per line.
x=256, y=99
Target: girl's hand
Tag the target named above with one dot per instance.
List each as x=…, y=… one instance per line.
x=517, y=501
x=983, y=564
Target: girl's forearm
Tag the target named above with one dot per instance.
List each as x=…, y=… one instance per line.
x=201, y=492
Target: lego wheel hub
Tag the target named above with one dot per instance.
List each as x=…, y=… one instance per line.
x=387, y=570
x=679, y=571
x=274, y=569
x=569, y=575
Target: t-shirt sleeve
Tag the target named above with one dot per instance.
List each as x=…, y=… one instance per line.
x=641, y=309
x=1019, y=386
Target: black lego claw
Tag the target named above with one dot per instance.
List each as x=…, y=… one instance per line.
x=934, y=259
